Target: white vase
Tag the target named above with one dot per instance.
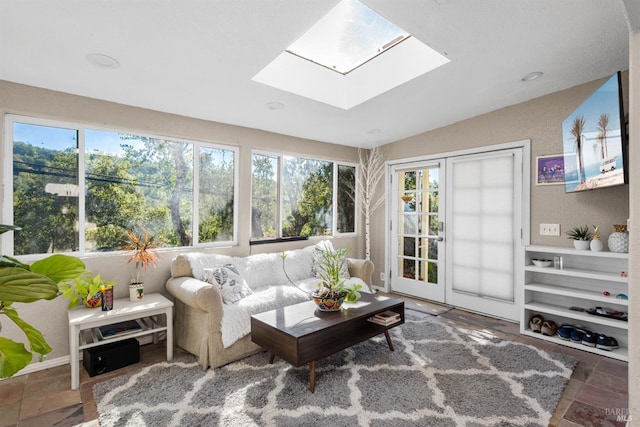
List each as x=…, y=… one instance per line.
x=136, y=291
x=619, y=242
x=582, y=245
x=596, y=245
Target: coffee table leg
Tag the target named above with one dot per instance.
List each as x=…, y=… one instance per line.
x=272, y=357
x=388, y=337
x=312, y=376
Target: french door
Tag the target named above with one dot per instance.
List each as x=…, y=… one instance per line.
x=417, y=255
x=484, y=217
x=456, y=228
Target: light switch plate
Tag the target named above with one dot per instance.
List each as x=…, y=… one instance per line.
x=549, y=229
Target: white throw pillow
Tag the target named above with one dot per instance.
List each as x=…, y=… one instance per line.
x=231, y=284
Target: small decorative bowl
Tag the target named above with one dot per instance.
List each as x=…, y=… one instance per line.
x=542, y=262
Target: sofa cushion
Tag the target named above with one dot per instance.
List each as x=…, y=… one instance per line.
x=232, y=286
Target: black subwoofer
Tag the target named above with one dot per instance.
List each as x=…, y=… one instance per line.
x=109, y=357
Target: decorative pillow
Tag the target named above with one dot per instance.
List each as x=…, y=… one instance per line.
x=231, y=284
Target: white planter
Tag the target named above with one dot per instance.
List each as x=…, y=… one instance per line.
x=596, y=245
x=582, y=245
x=136, y=291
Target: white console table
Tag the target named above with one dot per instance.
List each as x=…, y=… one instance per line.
x=84, y=321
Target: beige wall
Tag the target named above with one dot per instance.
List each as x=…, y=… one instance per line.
x=51, y=316
x=539, y=120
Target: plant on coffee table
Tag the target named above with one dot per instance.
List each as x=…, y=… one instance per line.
x=331, y=290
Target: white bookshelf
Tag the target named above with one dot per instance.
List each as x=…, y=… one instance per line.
x=556, y=294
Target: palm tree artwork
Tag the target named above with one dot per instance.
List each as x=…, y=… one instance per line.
x=603, y=128
x=576, y=131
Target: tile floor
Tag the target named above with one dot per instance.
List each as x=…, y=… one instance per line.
x=596, y=394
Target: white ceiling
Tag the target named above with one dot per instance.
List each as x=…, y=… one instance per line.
x=197, y=58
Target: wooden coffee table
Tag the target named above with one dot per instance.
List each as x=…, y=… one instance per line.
x=302, y=334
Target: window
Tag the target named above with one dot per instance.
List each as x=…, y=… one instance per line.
x=79, y=190
x=298, y=196
x=347, y=37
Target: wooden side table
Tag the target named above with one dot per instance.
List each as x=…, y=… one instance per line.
x=83, y=323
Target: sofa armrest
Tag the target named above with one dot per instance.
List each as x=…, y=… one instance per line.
x=362, y=268
x=197, y=294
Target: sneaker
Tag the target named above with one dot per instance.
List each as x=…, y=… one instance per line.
x=590, y=339
x=564, y=332
x=577, y=335
x=606, y=343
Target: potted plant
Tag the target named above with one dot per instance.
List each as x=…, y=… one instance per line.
x=141, y=252
x=331, y=290
x=24, y=283
x=581, y=237
x=85, y=289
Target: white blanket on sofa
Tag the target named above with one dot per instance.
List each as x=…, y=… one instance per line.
x=236, y=319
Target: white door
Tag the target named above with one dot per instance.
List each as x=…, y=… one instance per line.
x=484, y=223
x=417, y=246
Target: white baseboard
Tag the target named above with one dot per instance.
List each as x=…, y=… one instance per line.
x=41, y=366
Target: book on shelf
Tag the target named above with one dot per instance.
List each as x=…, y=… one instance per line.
x=118, y=329
x=385, y=318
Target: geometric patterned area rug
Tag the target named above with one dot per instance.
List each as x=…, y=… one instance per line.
x=439, y=375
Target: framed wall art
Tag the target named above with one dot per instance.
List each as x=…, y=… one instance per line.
x=550, y=170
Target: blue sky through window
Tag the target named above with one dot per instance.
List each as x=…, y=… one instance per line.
x=348, y=36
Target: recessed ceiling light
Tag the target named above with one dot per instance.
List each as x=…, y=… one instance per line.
x=274, y=105
x=531, y=76
x=102, y=61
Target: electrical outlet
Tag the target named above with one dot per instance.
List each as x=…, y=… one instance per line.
x=549, y=229
x=382, y=276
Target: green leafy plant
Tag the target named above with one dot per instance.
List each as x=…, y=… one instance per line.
x=83, y=288
x=25, y=283
x=579, y=233
x=331, y=267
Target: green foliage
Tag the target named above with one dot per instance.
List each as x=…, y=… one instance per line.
x=83, y=287
x=330, y=269
x=579, y=233
x=23, y=283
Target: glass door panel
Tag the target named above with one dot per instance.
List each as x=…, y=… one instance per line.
x=418, y=246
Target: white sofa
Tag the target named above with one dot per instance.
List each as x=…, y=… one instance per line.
x=219, y=333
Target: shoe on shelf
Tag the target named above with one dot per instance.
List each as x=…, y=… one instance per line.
x=564, y=332
x=535, y=323
x=549, y=328
x=590, y=339
x=577, y=335
x=606, y=343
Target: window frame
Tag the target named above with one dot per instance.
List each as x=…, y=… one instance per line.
x=334, y=206
x=7, y=213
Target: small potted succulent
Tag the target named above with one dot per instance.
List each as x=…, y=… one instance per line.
x=581, y=237
x=141, y=248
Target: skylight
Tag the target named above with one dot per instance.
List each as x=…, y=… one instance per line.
x=349, y=56
x=347, y=37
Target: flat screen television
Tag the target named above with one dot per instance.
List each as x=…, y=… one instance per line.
x=594, y=140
